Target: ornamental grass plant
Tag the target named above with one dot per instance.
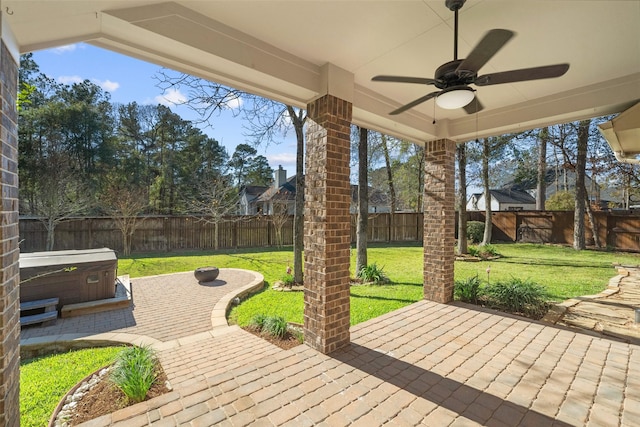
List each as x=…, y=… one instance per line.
x=135, y=371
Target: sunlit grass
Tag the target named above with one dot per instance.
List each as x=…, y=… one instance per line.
x=45, y=380
x=563, y=271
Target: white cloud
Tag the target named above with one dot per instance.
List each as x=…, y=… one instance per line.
x=282, y=158
x=107, y=85
x=66, y=48
x=171, y=97
x=69, y=80
x=234, y=103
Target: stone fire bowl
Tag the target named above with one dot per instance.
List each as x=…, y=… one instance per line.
x=206, y=274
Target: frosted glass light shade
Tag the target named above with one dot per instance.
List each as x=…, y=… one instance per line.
x=455, y=97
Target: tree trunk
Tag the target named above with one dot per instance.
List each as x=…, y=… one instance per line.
x=462, y=199
x=392, y=190
x=486, y=239
x=51, y=228
x=541, y=195
x=594, y=224
x=363, y=200
x=581, y=163
x=126, y=244
x=420, y=188
x=298, y=215
x=216, y=233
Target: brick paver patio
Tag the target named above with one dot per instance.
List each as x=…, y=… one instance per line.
x=425, y=364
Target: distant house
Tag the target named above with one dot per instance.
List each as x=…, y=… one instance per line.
x=378, y=201
x=282, y=191
x=562, y=179
x=261, y=200
x=248, y=198
x=502, y=200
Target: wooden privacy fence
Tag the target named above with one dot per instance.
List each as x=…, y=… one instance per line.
x=617, y=230
x=157, y=234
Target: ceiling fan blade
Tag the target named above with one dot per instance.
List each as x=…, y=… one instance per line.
x=525, y=74
x=403, y=79
x=474, y=106
x=414, y=103
x=490, y=44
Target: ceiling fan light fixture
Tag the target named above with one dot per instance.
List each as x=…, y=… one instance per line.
x=455, y=97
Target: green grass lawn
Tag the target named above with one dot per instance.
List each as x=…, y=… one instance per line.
x=564, y=272
x=45, y=380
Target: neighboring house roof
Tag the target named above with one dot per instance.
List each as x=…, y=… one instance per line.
x=512, y=196
x=376, y=197
x=287, y=191
x=254, y=190
x=552, y=176
x=509, y=196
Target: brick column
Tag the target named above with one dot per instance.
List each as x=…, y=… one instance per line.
x=439, y=220
x=327, y=224
x=9, y=280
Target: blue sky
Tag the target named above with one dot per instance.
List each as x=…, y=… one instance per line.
x=129, y=79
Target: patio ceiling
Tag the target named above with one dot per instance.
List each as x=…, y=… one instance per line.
x=295, y=51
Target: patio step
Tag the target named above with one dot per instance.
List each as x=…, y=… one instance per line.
x=122, y=299
x=48, y=315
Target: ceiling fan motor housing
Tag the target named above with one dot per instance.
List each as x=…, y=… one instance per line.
x=454, y=4
x=448, y=75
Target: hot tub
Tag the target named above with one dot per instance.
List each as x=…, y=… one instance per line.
x=71, y=276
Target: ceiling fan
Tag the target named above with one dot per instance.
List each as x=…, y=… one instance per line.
x=453, y=78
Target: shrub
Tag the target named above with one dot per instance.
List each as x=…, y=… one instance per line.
x=518, y=296
x=287, y=279
x=276, y=326
x=483, y=251
x=135, y=372
x=257, y=322
x=468, y=290
x=561, y=201
x=475, y=231
x=373, y=274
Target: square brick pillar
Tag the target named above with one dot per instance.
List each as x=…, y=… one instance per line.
x=9, y=270
x=327, y=224
x=439, y=220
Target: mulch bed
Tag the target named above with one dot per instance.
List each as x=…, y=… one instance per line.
x=106, y=398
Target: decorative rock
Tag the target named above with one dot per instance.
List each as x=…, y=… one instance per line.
x=206, y=274
x=71, y=401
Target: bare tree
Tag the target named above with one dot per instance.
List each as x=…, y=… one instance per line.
x=462, y=198
x=581, y=196
x=541, y=196
x=217, y=201
x=60, y=194
x=266, y=121
x=279, y=215
x=486, y=152
x=392, y=190
x=363, y=200
x=124, y=204
x=572, y=139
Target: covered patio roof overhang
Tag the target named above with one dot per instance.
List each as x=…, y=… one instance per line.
x=321, y=55
x=296, y=51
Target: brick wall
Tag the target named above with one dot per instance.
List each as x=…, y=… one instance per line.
x=9, y=290
x=439, y=220
x=327, y=224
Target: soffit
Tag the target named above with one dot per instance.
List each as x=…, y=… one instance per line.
x=281, y=49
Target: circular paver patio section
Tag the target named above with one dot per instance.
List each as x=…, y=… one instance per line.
x=165, y=307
